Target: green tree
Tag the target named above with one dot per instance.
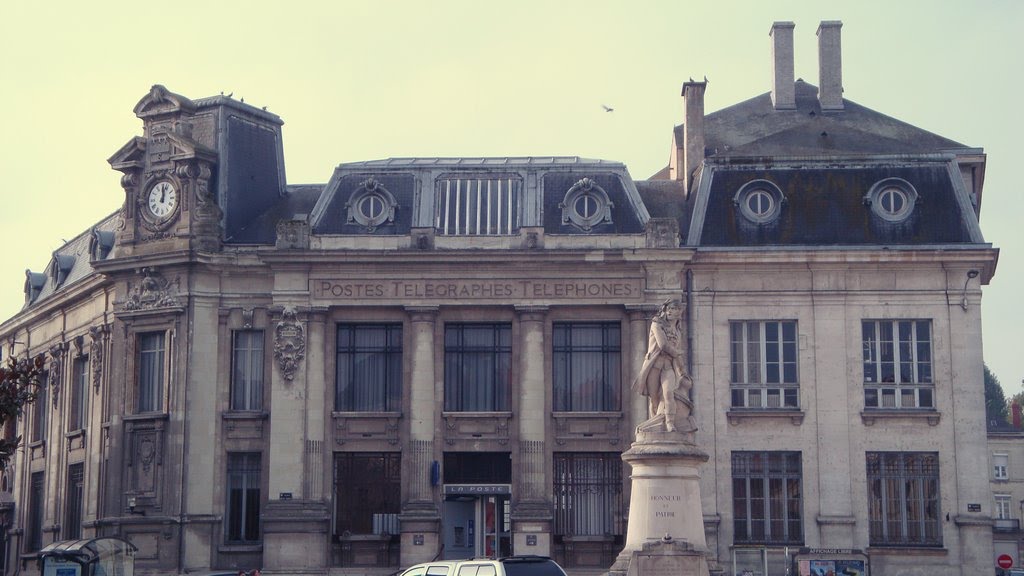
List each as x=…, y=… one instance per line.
x=19, y=386
x=995, y=400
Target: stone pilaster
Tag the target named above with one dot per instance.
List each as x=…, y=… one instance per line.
x=420, y=517
x=316, y=392
x=287, y=399
x=531, y=513
x=294, y=525
x=639, y=324
x=835, y=517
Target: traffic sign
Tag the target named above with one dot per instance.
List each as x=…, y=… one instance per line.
x=1004, y=561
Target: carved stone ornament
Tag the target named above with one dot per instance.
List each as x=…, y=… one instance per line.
x=662, y=233
x=371, y=205
x=292, y=234
x=55, y=370
x=586, y=205
x=247, y=314
x=289, y=343
x=98, y=334
x=152, y=292
x=207, y=215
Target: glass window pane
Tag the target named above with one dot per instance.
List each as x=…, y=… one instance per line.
x=767, y=498
x=368, y=369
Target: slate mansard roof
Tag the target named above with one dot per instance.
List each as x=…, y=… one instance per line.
x=822, y=168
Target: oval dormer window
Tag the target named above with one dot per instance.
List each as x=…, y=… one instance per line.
x=892, y=199
x=759, y=201
x=371, y=205
x=586, y=205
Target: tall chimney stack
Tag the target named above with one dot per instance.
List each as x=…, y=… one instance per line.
x=693, y=130
x=783, y=77
x=830, y=65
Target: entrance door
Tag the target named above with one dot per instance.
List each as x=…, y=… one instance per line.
x=459, y=522
x=497, y=530
x=476, y=527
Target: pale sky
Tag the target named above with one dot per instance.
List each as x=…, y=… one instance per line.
x=375, y=79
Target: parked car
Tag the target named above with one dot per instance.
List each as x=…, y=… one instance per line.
x=508, y=566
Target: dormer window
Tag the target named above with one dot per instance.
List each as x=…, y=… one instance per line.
x=100, y=244
x=60, y=268
x=34, y=282
x=371, y=205
x=892, y=199
x=759, y=201
x=482, y=205
x=586, y=205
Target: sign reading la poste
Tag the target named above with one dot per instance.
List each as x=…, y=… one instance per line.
x=477, y=289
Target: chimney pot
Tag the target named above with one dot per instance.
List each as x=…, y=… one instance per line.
x=693, y=130
x=830, y=65
x=1015, y=411
x=783, y=91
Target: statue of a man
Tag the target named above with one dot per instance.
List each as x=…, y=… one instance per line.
x=663, y=375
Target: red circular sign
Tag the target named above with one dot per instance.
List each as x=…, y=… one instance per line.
x=1004, y=561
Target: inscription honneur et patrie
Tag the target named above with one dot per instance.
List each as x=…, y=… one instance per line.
x=664, y=505
x=482, y=289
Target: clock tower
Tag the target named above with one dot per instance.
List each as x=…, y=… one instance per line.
x=170, y=194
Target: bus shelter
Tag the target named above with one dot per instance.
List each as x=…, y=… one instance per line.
x=106, y=556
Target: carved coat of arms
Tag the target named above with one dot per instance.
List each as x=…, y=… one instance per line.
x=289, y=343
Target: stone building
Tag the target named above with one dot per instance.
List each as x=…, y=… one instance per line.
x=432, y=357
x=1006, y=474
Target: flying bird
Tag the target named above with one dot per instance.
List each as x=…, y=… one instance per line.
x=607, y=108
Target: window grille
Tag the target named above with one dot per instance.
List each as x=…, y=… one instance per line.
x=767, y=497
x=369, y=368
x=367, y=492
x=903, y=499
x=478, y=206
x=764, y=364
x=587, y=366
x=588, y=494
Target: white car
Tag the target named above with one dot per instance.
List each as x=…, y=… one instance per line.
x=509, y=566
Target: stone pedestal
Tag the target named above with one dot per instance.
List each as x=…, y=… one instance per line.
x=665, y=506
x=667, y=558
x=421, y=534
x=293, y=537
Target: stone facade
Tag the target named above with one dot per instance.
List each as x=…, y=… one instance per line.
x=429, y=357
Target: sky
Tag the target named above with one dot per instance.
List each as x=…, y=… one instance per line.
x=362, y=80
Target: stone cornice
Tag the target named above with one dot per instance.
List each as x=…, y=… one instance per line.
x=64, y=299
x=845, y=254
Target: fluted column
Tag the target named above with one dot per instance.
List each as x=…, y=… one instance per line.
x=420, y=516
x=532, y=506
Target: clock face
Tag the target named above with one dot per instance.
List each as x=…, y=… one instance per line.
x=162, y=200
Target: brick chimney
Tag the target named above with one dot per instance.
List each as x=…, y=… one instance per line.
x=693, y=130
x=1015, y=412
x=830, y=65
x=783, y=91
